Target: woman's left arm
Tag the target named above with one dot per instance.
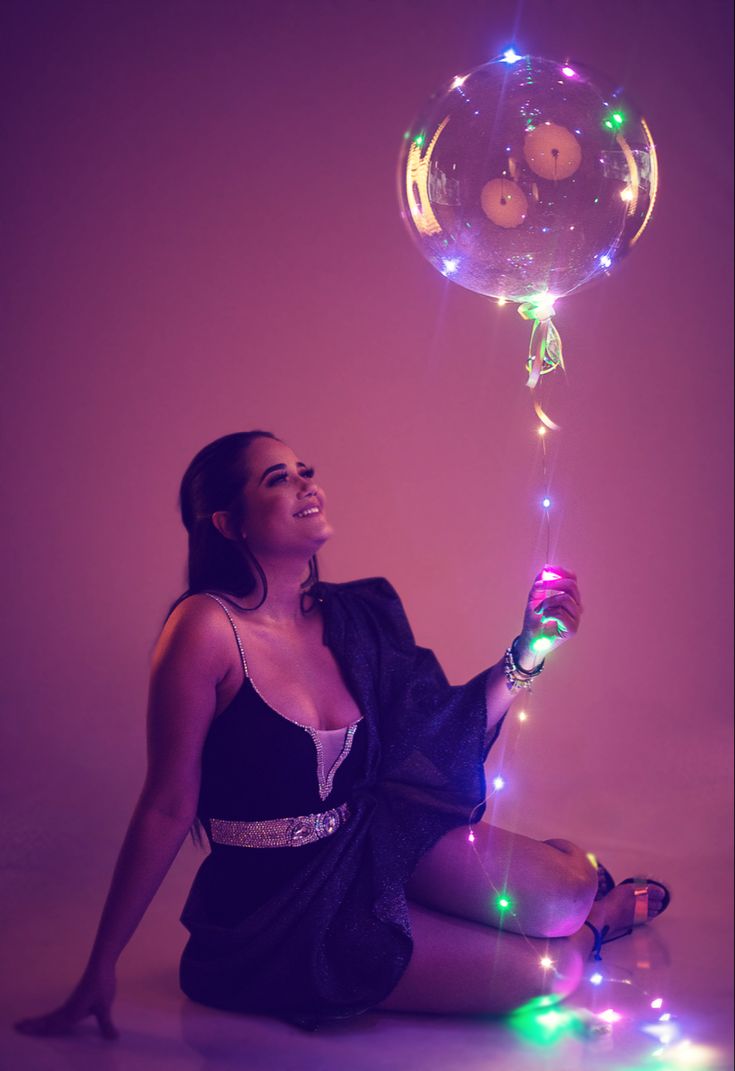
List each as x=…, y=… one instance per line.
x=552, y=615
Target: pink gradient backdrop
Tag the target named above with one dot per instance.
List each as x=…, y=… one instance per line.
x=201, y=235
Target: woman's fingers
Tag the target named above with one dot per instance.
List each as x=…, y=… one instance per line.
x=45, y=1025
x=61, y=1022
x=567, y=587
x=568, y=620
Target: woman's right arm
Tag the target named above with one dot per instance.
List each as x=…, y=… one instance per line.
x=189, y=660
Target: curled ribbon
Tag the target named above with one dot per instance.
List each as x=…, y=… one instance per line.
x=544, y=350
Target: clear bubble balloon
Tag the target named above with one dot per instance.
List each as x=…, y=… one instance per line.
x=526, y=178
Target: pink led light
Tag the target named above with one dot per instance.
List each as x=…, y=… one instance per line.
x=548, y=575
x=569, y=72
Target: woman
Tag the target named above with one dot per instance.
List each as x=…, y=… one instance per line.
x=335, y=772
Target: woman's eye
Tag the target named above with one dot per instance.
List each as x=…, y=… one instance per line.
x=306, y=473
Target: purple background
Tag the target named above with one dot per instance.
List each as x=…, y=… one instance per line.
x=201, y=235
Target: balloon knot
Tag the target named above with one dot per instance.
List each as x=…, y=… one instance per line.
x=539, y=309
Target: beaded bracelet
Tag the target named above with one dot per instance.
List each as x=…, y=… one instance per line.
x=516, y=676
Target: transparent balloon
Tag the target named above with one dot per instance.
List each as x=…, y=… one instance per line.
x=527, y=178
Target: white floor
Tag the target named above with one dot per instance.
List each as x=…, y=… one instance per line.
x=684, y=959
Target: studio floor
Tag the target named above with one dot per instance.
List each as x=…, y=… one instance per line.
x=683, y=962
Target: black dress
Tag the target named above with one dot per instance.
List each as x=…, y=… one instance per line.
x=320, y=931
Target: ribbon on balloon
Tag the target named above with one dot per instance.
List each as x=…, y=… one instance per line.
x=544, y=350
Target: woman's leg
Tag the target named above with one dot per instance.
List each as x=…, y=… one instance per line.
x=550, y=885
x=464, y=968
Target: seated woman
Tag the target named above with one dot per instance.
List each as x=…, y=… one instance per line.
x=339, y=780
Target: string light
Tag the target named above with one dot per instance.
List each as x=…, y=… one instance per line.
x=542, y=431
x=546, y=963
x=522, y=716
x=471, y=837
x=596, y=978
x=459, y=81
x=610, y=1016
x=502, y=301
x=547, y=574
x=498, y=783
x=542, y=644
x=450, y=266
x=657, y=1003
x=546, y=503
x=511, y=56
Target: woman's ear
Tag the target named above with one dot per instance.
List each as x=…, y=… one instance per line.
x=222, y=521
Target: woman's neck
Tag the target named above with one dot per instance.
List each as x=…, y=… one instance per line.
x=283, y=606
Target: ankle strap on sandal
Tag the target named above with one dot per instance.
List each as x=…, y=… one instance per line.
x=600, y=936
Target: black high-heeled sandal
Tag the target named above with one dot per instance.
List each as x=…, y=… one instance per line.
x=640, y=913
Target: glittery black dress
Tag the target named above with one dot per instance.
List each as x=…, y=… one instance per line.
x=320, y=931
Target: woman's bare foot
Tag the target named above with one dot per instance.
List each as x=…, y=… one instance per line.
x=617, y=909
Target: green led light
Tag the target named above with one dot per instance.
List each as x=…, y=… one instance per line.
x=618, y=118
x=542, y=644
x=545, y=1026
x=419, y=139
x=608, y=124
x=503, y=903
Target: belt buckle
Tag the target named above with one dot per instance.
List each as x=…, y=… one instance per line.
x=302, y=829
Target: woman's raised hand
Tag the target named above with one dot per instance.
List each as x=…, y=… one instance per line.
x=552, y=614
x=93, y=995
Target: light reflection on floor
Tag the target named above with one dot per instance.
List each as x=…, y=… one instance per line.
x=683, y=962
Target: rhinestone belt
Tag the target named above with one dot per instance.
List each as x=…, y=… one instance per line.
x=279, y=832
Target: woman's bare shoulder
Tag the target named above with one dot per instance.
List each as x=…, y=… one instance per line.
x=196, y=628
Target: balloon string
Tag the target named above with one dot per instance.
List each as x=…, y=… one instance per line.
x=545, y=482
x=544, y=351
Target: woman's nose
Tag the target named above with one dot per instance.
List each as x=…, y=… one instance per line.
x=308, y=487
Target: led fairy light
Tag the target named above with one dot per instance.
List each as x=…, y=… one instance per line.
x=491, y=101
x=539, y=1015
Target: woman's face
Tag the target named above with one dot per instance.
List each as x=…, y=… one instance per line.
x=284, y=506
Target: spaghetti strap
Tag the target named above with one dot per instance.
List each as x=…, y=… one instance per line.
x=234, y=629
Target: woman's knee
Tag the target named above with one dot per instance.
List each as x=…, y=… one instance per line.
x=571, y=892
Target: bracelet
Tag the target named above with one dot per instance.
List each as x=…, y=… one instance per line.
x=516, y=676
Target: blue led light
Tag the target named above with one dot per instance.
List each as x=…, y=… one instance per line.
x=605, y=261
x=498, y=783
x=596, y=978
x=511, y=56
x=546, y=503
x=450, y=266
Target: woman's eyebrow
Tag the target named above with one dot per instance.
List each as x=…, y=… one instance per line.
x=273, y=468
